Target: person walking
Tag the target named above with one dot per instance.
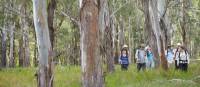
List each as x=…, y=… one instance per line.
x=140, y=56
x=176, y=52
x=150, y=58
x=169, y=53
x=124, y=60
x=183, y=59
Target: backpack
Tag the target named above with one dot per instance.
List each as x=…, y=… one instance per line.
x=175, y=54
x=186, y=56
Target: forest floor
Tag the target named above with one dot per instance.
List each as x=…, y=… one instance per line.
x=70, y=76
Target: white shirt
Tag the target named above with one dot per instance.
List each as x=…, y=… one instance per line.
x=140, y=56
x=183, y=56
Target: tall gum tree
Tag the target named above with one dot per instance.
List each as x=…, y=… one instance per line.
x=92, y=73
x=154, y=11
x=45, y=72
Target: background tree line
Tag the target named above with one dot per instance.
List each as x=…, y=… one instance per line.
x=127, y=18
x=157, y=23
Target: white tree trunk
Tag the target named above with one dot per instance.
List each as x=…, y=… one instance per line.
x=12, y=59
x=11, y=28
x=153, y=12
x=45, y=77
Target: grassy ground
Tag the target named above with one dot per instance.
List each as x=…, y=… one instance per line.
x=71, y=77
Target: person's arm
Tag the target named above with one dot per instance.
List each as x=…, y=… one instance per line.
x=173, y=54
x=165, y=52
x=136, y=55
x=119, y=60
x=188, y=57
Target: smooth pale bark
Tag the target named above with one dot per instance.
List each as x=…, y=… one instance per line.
x=114, y=33
x=166, y=30
x=11, y=26
x=44, y=75
x=115, y=43
x=184, y=23
x=121, y=32
x=107, y=35
x=165, y=23
x=11, y=54
x=92, y=73
x=153, y=30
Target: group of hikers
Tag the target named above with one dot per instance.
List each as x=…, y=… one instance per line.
x=145, y=58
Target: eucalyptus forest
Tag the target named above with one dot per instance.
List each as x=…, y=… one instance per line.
x=99, y=43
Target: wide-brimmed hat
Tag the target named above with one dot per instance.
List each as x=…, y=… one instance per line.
x=124, y=46
x=178, y=44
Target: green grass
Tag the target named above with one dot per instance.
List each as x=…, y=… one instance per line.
x=153, y=78
x=70, y=76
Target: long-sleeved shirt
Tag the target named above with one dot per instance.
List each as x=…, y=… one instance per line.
x=124, y=59
x=140, y=56
x=149, y=55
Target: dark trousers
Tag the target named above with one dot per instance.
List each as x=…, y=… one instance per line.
x=176, y=65
x=141, y=66
x=183, y=66
x=124, y=66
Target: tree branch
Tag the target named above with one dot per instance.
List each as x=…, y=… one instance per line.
x=118, y=9
x=140, y=7
x=71, y=18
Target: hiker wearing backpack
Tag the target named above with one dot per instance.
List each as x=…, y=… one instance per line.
x=140, y=56
x=124, y=61
x=150, y=58
x=169, y=53
x=176, y=52
x=183, y=59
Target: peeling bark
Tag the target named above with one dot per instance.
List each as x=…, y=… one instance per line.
x=92, y=73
